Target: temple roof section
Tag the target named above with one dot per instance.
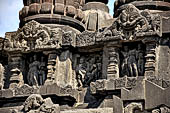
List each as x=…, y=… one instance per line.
x=156, y=6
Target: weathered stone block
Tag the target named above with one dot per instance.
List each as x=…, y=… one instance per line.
x=59, y=8
x=7, y=93
x=53, y=89
x=80, y=14
x=24, y=11
x=117, y=105
x=59, y=1
x=46, y=7
x=92, y=21
x=99, y=110
x=136, y=93
x=71, y=11
x=34, y=8
x=110, y=85
x=43, y=90
x=70, y=2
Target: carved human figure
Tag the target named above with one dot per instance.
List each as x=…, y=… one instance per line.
x=81, y=72
x=33, y=72
x=140, y=58
x=132, y=63
x=124, y=65
x=42, y=73
x=92, y=71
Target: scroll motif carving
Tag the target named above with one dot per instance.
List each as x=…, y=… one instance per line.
x=34, y=35
x=130, y=108
x=85, y=39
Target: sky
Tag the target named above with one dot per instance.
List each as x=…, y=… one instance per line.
x=9, y=14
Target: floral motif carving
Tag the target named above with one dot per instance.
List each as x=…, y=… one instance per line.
x=34, y=35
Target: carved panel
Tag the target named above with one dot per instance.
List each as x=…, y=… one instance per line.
x=34, y=35
x=89, y=69
x=133, y=60
x=25, y=90
x=133, y=24
x=85, y=39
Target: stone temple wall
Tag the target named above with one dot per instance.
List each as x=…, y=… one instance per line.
x=71, y=56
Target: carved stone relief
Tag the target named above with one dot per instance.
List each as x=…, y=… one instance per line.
x=133, y=23
x=85, y=39
x=34, y=35
x=89, y=69
x=36, y=104
x=130, y=108
x=133, y=60
x=37, y=70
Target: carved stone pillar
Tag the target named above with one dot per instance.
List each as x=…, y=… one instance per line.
x=113, y=62
x=65, y=75
x=51, y=66
x=150, y=59
x=16, y=69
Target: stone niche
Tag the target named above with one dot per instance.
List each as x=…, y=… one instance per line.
x=88, y=68
x=35, y=64
x=132, y=59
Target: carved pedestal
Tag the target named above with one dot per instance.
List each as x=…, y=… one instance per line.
x=113, y=63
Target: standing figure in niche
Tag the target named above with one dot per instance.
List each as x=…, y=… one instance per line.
x=92, y=71
x=42, y=74
x=81, y=72
x=124, y=65
x=33, y=72
x=141, y=61
x=132, y=63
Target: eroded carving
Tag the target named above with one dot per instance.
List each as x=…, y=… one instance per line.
x=34, y=35
x=130, y=108
x=88, y=70
x=85, y=39
x=36, y=104
x=133, y=23
x=33, y=74
x=25, y=90
x=133, y=61
x=37, y=71
x=2, y=70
